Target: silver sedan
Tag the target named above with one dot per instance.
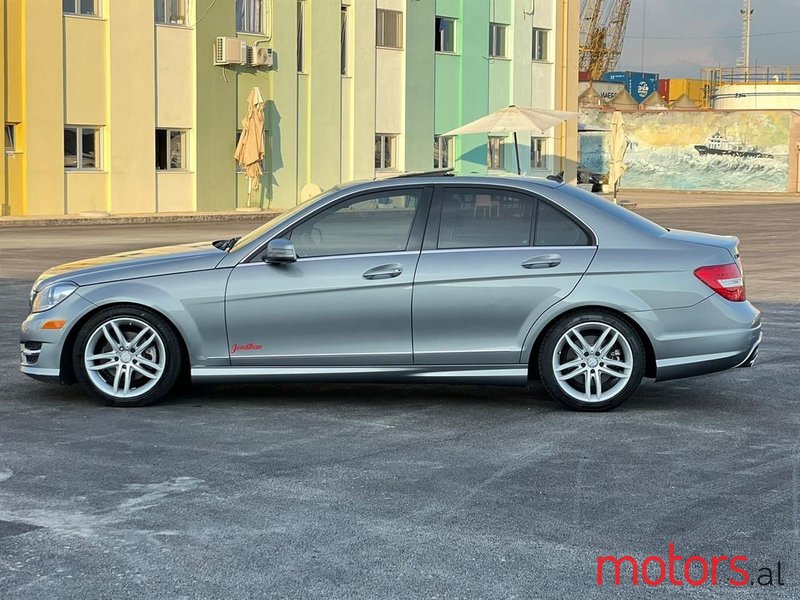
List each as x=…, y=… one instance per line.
x=425, y=279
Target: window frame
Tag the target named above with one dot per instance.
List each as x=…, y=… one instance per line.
x=246, y=18
x=543, y=152
x=501, y=153
x=168, y=23
x=98, y=148
x=437, y=152
x=493, y=27
x=393, y=153
x=10, y=134
x=431, y=240
x=536, y=31
x=184, y=150
x=380, y=34
x=437, y=35
x=76, y=11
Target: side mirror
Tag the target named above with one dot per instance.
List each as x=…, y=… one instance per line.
x=279, y=251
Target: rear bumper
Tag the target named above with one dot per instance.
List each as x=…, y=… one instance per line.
x=714, y=335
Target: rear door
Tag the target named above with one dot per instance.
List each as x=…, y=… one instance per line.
x=347, y=299
x=493, y=260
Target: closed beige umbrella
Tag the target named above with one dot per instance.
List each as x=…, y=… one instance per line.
x=618, y=145
x=250, y=149
x=514, y=119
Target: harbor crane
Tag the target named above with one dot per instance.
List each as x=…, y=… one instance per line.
x=603, y=24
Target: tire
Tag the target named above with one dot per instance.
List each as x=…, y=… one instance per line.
x=138, y=371
x=570, y=359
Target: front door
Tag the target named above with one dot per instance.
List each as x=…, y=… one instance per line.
x=347, y=299
x=493, y=261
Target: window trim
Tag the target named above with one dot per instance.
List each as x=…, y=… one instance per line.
x=453, y=20
x=415, y=237
x=95, y=14
x=166, y=23
x=546, y=46
x=544, y=152
x=400, y=29
x=98, y=150
x=504, y=27
x=244, y=20
x=184, y=168
x=392, y=167
x=431, y=240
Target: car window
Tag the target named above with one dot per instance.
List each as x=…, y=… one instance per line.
x=485, y=218
x=374, y=223
x=554, y=228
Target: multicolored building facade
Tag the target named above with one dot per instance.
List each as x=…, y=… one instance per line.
x=120, y=106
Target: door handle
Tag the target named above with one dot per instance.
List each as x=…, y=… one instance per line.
x=384, y=271
x=545, y=261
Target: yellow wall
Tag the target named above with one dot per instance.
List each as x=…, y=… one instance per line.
x=85, y=71
x=691, y=87
x=43, y=108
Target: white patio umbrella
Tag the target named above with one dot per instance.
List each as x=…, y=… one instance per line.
x=250, y=149
x=618, y=145
x=515, y=119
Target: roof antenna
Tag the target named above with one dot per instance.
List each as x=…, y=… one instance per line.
x=559, y=177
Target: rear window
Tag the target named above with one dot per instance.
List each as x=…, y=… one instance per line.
x=614, y=210
x=554, y=228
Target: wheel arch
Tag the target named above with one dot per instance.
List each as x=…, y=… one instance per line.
x=650, y=355
x=66, y=367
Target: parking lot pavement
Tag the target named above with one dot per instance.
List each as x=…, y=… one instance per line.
x=375, y=491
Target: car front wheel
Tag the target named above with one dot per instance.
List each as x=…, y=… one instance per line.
x=592, y=361
x=127, y=356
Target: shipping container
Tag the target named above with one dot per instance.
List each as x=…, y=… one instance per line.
x=605, y=89
x=584, y=75
x=639, y=85
x=663, y=89
x=693, y=88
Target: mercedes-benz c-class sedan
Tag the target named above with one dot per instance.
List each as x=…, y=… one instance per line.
x=426, y=279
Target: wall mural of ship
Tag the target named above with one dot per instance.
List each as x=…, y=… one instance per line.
x=718, y=144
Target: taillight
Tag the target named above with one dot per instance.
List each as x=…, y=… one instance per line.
x=726, y=280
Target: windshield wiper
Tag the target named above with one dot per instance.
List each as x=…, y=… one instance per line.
x=226, y=245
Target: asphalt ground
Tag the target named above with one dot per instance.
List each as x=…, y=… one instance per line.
x=378, y=491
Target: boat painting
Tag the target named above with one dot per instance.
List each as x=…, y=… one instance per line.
x=720, y=145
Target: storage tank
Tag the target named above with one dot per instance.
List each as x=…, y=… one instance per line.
x=639, y=85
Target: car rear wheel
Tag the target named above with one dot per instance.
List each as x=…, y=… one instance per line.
x=127, y=356
x=591, y=361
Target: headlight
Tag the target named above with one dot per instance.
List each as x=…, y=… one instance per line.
x=51, y=295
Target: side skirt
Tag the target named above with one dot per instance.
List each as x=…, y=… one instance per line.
x=464, y=374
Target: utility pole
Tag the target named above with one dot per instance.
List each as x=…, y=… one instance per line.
x=747, y=16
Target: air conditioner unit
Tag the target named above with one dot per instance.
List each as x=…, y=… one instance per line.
x=230, y=51
x=259, y=57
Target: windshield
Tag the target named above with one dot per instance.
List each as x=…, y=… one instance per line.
x=256, y=233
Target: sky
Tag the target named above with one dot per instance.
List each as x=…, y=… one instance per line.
x=703, y=26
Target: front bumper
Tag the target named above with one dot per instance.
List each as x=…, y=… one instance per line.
x=714, y=335
x=41, y=349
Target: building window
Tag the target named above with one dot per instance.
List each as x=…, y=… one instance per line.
x=80, y=7
x=497, y=40
x=171, y=12
x=248, y=16
x=389, y=29
x=496, y=153
x=445, y=40
x=384, y=151
x=170, y=149
x=10, y=137
x=538, y=153
x=343, y=43
x=301, y=36
x=81, y=148
x=540, y=44
x=442, y=152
